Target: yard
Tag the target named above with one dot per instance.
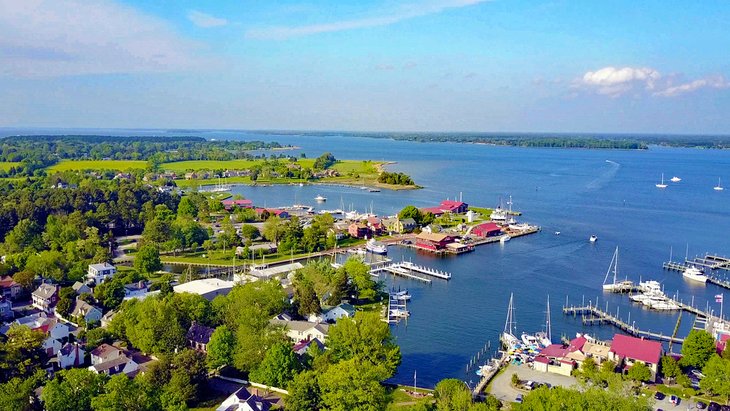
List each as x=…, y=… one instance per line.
x=7, y=165
x=97, y=165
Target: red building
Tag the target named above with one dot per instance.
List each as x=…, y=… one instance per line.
x=228, y=204
x=433, y=241
x=358, y=230
x=447, y=206
x=487, y=230
x=273, y=211
x=375, y=224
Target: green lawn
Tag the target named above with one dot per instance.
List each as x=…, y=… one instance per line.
x=117, y=165
x=7, y=165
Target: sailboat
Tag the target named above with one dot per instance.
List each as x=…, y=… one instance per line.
x=661, y=185
x=718, y=187
x=508, y=337
x=545, y=337
x=613, y=267
x=675, y=179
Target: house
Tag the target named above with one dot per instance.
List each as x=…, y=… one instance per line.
x=487, y=230
x=6, y=308
x=100, y=272
x=45, y=297
x=358, y=230
x=626, y=351
x=277, y=271
x=302, y=347
x=139, y=290
x=229, y=204
x=107, y=318
x=123, y=364
x=272, y=211
x=436, y=211
x=553, y=359
x=243, y=400
x=9, y=288
x=454, y=207
x=433, y=241
x=375, y=225
x=54, y=330
x=198, y=336
x=342, y=310
x=81, y=288
x=104, y=353
x=303, y=330
x=88, y=312
x=209, y=288
x=70, y=355
x=408, y=224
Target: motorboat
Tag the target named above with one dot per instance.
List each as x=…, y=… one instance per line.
x=718, y=187
x=320, y=199
x=498, y=214
x=694, y=274
x=504, y=238
x=373, y=190
x=397, y=312
x=401, y=295
x=530, y=340
x=376, y=247
x=662, y=184
x=593, y=238
x=557, y=233
x=675, y=179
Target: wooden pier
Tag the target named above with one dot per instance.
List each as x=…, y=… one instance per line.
x=592, y=315
x=675, y=266
x=425, y=270
x=397, y=309
x=707, y=261
x=498, y=364
x=396, y=269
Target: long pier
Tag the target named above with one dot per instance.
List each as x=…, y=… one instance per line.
x=498, y=364
x=396, y=269
x=425, y=270
x=593, y=315
x=708, y=261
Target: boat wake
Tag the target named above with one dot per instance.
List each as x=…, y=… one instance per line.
x=605, y=177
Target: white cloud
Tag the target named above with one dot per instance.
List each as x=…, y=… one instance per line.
x=614, y=81
x=75, y=37
x=204, y=20
x=405, y=12
x=717, y=82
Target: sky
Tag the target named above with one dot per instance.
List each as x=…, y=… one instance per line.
x=618, y=66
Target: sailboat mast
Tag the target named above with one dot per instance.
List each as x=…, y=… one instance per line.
x=510, y=321
x=615, y=267
x=549, y=325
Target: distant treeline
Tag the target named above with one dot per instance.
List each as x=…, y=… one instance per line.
x=37, y=152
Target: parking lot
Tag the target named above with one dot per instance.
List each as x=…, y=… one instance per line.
x=501, y=386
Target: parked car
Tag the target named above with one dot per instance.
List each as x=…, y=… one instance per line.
x=697, y=374
x=674, y=399
x=519, y=399
x=701, y=405
x=713, y=406
x=659, y=395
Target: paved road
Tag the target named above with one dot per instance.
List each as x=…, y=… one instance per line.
x=502, y=385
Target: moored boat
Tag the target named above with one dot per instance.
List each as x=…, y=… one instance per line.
x=376, y=247
x=694, y=274
x=320, y=198
x=593, y=238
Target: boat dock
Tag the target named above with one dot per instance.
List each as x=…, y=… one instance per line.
x=593, y=315
x=396, y=309
x=493, y=370
x=708, y=261
x=675, y=266
x=425, y=270
x=396, y=269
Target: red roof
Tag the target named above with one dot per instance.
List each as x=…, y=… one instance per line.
x=452, y=204
x=240, y=203
x=636, y=348
x=542, y=359
x=554, y=350
x=577, y=344
x=433, y=210
x=7, y=282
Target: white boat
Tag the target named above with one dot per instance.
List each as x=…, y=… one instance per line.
x=593, y=238
x=530, y=340
x=301, y=184
x=661, y=185
x=675, y=179
x=401, y=295
x=376, y=247
x=373, y=190
x=519, y=227
x=545, y=337
x=498, y=214
x=508, y=337
x=504, y=238
x=320, y=199
x=718, y=187
x=694, y=274
x=557, y=233
x=397, y=312
x=615, y=285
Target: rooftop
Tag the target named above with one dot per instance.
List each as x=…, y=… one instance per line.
x=204, y=286
x=199, y=333
x=101, y=266
x=636, y=348
x=45, y=291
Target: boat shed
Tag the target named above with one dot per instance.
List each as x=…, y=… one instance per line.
x=433, y=241
x=487, y=230
x=266, y=273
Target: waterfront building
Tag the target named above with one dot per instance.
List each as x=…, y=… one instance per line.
x=626, y=351
x=433, y=241
x=303, y=330
x=358, y=230
x=242, y=203
x=209, y=288
x=487, y=230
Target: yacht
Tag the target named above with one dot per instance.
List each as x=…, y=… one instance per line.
x=545, y=336
x=498, y=214
x=694, y=274
x=397, y=312
x=615, y=285
x=401, y=295
x=376, y=247
x=661, y=185
x=320, y=198
x=593, y=238
x=530, y=340
x=557, y=233
x=504, y=238
x=508, y=338
x=718, y=187
x=675, y=179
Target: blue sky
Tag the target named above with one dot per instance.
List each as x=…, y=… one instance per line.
x=434, y=65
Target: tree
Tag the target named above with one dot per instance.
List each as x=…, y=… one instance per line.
x=410, y=212
x=20, y=354
x=47, y=264
x=697, y=349
x=324, y=161
x=147, y=260
x=367, y=339
x=589, y=366
x=452, y=395
x=279, y=366
x=304, y=394
x=359, y=273
x=670, y=368
x=25, y=279
x=639, y=372
x=221, y=346
x=306, y=298
x=590, y=399
x=189, y=375
x=72, y=390
x=110, y=293
x=186, y=208
x=123, y=393
x=352, y=385
x=249, y=231
x=717, y=376
x=273, y=229
x=15, y=395
x=608, y=367
x=97, y=337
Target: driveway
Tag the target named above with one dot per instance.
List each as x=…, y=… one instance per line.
x=501, y=386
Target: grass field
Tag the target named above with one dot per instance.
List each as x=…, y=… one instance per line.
x=117, y=165
x=7, y=165
x=344, y=166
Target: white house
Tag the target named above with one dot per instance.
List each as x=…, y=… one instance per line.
x=45, y=297
x=88, y=312
x=303, y=330
x=139, y=290
x=110, y=360
x=104, y=353
x=50, y=326
x=342, y=310
x=70, y=355
x=100, y=272
x=81, y=288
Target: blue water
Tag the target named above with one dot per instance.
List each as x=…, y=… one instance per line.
x=577, y=192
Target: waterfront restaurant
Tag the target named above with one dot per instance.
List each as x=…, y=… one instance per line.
x=436, y=242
